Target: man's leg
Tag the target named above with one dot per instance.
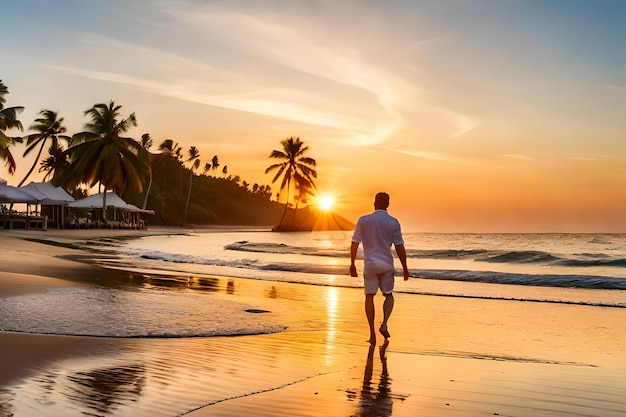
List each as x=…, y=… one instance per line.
x=370, y=313
x=387, y=309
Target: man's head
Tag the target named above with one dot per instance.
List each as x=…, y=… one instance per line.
x=381, y=201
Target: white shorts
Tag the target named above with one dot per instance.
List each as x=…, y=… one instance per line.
x=373, y=280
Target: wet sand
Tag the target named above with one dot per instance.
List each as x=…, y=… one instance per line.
x=447, y=356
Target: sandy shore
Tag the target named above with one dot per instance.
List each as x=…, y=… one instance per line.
x=446, y=356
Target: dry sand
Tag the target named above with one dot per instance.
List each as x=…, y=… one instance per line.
x=447, y=356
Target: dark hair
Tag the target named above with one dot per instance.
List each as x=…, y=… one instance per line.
x=381, y=201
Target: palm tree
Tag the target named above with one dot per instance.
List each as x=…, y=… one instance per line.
x=213, y=165
x=146, y=144
x=169, y=160
x=101, y=155
x=48, y=126
x=8, y=120
x=56, y=163
x=295, y=167
x=168, y=147
x=5, y=151
x=194, y=158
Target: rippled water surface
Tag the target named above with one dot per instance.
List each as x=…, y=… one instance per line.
x=102, y=311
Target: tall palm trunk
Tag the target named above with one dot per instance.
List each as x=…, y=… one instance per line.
x=30, y=171
x=188, y=198
x=145, y=199
x=104, y=206
x=286, y=204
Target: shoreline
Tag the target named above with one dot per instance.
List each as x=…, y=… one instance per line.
x=447, y=356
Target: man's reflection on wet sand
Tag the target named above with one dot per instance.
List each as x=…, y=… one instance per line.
x=375, y=398
x=103, y=391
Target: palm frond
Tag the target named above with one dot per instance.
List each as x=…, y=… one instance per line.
x=278, y=155
x=279, y=173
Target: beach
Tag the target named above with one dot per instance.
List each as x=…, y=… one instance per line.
x=288, y=349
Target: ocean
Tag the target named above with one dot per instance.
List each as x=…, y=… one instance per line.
x=494, y=321
x=165, y=293
x=561, y=268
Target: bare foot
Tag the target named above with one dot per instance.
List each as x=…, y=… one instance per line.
x=383, y=330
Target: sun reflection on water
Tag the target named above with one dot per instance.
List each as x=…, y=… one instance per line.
x=332, y=298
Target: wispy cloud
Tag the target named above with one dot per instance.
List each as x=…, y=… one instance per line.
x=432, y=156
x=591, y=157
x=283, y=41
x=462, y=124
x=440, y=157
x=275, y=69
x=259, y=102
x=518, y=157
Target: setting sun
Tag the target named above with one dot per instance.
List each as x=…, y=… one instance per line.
x=325, y=202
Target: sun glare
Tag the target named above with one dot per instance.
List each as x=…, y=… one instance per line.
x=326, y=202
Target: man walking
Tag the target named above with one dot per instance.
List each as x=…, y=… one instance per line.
x=378, y=231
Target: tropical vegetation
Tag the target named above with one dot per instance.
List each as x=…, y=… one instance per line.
x=146, y=144
x=295, y=168
x=194, y=161
x=8, y=120
x=48, y=126
x=103, y=155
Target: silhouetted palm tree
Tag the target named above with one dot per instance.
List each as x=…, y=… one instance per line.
x=213, y=165
x=168, y=147
x=101, y=155
x=169, y=160
x=146, y=144
x=194, y=158
x=55, y=163
x=48, y=126
x=8, y=120
x=295, y=168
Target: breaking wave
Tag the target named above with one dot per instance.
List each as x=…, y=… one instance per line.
x=477, y=255
x=507, y=278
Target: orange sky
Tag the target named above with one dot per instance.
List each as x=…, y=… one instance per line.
x=482, y=116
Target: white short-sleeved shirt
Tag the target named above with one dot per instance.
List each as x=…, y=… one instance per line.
x=377, y=232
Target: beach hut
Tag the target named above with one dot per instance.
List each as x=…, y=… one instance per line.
x=10, y=218
x=123, y=214
x=97, y=200
x=53, y=200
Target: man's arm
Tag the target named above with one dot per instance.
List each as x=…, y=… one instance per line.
x=354, y=247
x=401, y=252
